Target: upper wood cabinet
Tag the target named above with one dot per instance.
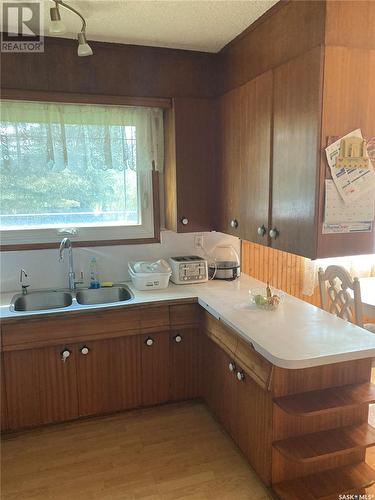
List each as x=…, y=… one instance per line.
x=190, y=131
x=273, y=130
x=296, y=127
x=245, y=135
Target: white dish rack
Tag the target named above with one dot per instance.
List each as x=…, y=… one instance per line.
x=146, y=275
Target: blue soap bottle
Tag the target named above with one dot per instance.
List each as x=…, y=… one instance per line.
x=94, y=275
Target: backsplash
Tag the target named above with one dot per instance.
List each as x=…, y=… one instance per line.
x=45, y=270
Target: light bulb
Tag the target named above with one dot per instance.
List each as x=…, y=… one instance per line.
x=84, y=48
x=56, y=25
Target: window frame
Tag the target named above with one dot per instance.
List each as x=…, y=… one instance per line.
x=137, y=235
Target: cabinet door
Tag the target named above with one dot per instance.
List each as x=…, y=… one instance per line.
x=155, y=368
x=108, y=374
x=184, y=364
x=229, y=181
x=219, y=385
x=57, y=384
x=254, y=425
x=40, y=387
x=297, y=117
x=3, y=402
x=190, y=131
x=255, y=136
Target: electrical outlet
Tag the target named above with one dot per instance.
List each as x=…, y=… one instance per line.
x=198, y=241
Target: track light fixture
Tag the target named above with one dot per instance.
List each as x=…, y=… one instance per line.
x=57, y=26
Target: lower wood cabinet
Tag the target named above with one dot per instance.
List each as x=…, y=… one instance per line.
x=155, y=368
x=184, y=364
x=241, y=406
x=170, y=366
x=108, y=375
x=40, y=387
x=122, y=370
x=3, y=405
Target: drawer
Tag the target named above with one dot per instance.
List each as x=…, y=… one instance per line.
x=242, y=352
x=184, y=314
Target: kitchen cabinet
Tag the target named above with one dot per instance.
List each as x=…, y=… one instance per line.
x=220, y=391
x=189, y=174
x=184, y=364
x=296, y=125
x=273, y=132
x=3, y=403
x=229, y=181
x=40, y=387
x=155, y=368
x=108, y=375
x=245, y=138
x=235, y=383
x=97, y=362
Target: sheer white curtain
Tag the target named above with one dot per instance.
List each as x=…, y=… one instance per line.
x=361, y=266
x=79, y=136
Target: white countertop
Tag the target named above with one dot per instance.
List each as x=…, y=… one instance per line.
x=296, y=335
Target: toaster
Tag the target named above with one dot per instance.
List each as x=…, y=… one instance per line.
x=188, y=269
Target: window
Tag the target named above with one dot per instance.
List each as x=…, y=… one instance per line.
x=79, y=169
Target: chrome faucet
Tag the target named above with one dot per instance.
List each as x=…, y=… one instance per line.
x=23, y=274
x=67, y=244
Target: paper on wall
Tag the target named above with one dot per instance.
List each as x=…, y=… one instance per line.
x=351, y=183
x=336, y=211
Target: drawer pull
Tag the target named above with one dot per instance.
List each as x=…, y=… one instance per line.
x=65, y=353
x=84, y=350
x=149, y=341
x=232, y=366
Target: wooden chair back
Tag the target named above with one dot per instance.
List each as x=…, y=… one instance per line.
x=334, y=284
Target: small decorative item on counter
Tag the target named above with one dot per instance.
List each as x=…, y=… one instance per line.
x=268, y=300
x=94, y=275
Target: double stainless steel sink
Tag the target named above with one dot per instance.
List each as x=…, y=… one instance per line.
x=57, y=299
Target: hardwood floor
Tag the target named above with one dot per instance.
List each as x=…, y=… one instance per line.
x=169, y=452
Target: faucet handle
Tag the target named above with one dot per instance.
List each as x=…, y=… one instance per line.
x=23, y=274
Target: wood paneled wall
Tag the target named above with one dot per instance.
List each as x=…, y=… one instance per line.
x=269, y=42
x=114, y=69
x=283, y=270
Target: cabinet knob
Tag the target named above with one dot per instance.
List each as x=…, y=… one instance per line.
x=149, y=341
x=262, y=231
x=177, y=339
x=84, y=350
x=240, y=375
x=65, y=353
x=274, y=233
x=185, y=221
x=232, y=366
x=234, y=223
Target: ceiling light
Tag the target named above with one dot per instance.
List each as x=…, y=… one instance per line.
x=84, y=48
x=56, y=25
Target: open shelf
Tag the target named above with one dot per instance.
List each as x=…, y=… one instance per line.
x=328, y=484
x=326, y=400
x=323, y=444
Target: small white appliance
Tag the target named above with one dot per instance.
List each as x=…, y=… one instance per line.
x=188, y=269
